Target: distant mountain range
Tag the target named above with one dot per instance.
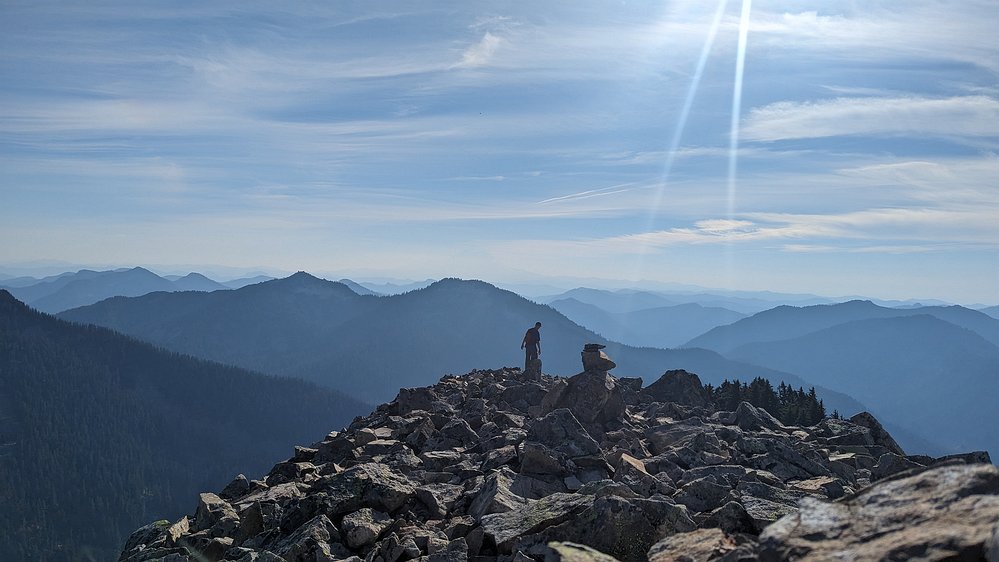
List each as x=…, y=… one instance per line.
x=93, y=422
x=663, y=326
x=992, y=311
x=369, y=346
x=927, y=368
x=746, y=302
x=631, y=300
x=613, y=301
x=390, y=288
x=785, y=322
x=924, y=373
x=358, y=288
x=73, y=289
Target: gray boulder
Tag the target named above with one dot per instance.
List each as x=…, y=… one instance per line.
x=632, y=473
x=703, y=494
x=317, y=539
x=597, y=361
x=680, y=387
x=214, y=514
x=363, y=527
x=731, y=518
x=764, y=512
x=890, y=464
x=696, y=546
x=750, y=418
x=553, y=442
x=495, y=495
x=594, y=397
x=562, y=432
x=878, y=433
x=624, y=528
x=372, y=485
x=945, y=513
x=504, y=529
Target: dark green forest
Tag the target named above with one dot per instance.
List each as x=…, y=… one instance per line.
x=100, y=433
x=790, y=406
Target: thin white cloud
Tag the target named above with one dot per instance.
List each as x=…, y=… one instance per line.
x=962, y=116
x=590, y=193
x=478, y=178
x=889, y=230
x=480, y=54
x=947, y=30
x=881, y=249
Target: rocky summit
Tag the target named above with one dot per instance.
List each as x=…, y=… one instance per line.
x=499, y=465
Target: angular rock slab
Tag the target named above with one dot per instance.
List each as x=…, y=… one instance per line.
x=943, y=513
x=696, y=546
x=878, y=433
x=363, y=527
x=562, y=432
x=597, y=360
x=495, y=495
x=366, y=485
x=623, y=528
x=505, y=528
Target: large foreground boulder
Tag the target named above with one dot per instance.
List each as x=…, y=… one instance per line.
x=594, y=397
x=945, y=513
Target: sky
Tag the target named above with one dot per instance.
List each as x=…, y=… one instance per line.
x=829, y=147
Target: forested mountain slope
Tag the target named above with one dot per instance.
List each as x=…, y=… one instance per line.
x=102, y=432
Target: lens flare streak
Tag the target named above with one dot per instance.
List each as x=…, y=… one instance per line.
x=688, y=102
x=681, y=125
x=733, y=146
x=740, y=68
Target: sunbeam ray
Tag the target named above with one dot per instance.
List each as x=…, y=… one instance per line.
x=733, y=146
x=681, y=125
x=685, y=111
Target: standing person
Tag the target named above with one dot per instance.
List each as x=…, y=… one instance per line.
x=532, y=344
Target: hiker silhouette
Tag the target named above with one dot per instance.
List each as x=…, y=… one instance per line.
x=531, y=344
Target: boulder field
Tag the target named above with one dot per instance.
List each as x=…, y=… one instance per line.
x=499, y=465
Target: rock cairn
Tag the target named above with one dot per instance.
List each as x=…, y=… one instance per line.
x=497, y=465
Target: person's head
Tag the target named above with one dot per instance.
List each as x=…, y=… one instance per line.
x=537, y=324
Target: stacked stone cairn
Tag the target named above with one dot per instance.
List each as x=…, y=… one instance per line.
x=499, y=465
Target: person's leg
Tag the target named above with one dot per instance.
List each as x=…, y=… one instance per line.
x=531, y=355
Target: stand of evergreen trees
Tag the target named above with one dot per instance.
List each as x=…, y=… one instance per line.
x=790, y=406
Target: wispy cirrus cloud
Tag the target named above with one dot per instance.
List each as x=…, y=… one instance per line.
x=481, y=53
x=960, y=116
x=887, y=230
x=947, y=30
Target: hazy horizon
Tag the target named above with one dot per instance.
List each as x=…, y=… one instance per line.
x=828, y=148
x=539, y=286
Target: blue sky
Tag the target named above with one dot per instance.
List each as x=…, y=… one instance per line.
x=511, y=141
